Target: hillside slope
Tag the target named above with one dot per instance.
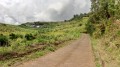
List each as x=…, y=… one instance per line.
x=36, y=37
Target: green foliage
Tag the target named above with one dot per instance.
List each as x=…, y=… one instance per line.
x=90, y=28
x=29, y=37
x=105, y=16
x=20, y=36
x=104, y=9
x=13, y=36
x=3, y=40
x=51, y=48
x=78, y=17
x=102, y=12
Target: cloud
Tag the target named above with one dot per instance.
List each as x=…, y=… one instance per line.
x=21, y=11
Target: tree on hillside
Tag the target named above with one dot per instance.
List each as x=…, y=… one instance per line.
x=102, y=11
x=105, y=9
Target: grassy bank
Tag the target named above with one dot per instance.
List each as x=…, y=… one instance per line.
x=106, y=47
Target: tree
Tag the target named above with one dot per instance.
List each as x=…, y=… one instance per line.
x=102, y=11
x=105, y=9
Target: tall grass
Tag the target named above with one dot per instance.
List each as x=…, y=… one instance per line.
x=106, y=47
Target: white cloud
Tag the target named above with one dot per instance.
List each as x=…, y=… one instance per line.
x=20, y=11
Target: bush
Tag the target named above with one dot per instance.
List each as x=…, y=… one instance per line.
x=90, y=28
x=13, y=36
x=3, y=40
x=19, y=36
x=29, y=37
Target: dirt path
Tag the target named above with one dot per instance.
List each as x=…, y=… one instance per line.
x=77, y=54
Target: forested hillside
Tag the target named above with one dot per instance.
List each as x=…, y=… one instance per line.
x=104, y=27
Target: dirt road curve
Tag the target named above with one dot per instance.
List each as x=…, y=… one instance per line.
x=77, y=54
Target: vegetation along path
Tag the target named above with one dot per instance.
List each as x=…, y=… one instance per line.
x=77, y=54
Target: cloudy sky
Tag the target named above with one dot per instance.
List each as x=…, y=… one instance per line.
x=21, y=11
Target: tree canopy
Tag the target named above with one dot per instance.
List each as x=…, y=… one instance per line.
x=105, y=9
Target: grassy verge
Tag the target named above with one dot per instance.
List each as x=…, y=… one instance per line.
x=106, y=47
x=96, y=52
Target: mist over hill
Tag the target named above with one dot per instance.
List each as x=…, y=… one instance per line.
x=21, y=11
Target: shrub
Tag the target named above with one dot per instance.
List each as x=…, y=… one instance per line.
x=13, y=36
x=19, y=36
x=90, y=28
x=29, y=37
x=3, y=40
